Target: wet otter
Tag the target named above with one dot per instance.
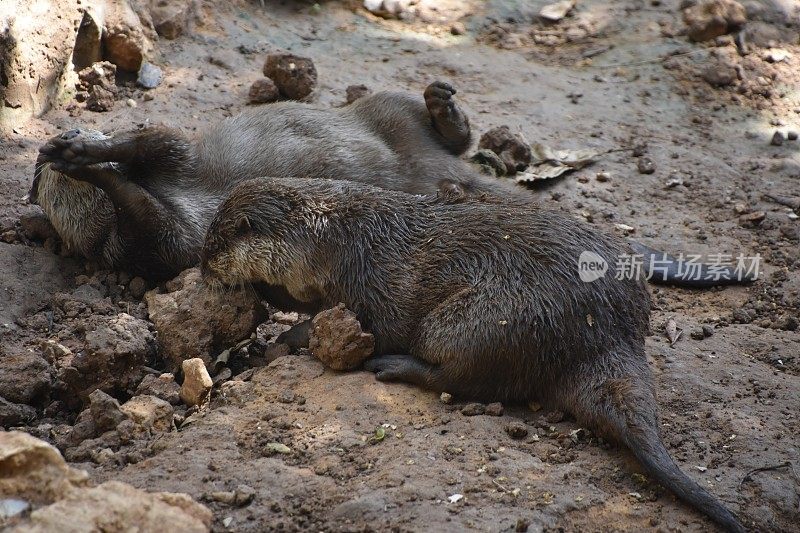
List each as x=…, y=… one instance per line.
x=481, y=299
x=142, y=200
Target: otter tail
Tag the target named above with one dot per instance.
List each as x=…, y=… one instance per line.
x=625, y=409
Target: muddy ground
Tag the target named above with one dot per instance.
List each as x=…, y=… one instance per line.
x=611, y=76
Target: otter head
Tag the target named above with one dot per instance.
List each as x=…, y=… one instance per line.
x=82, y=214
x=261, y=233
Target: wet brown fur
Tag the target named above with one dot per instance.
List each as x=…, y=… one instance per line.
x=470, y=296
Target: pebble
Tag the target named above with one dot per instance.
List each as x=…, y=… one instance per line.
x=446, y=397
x=354, y=92
x=263, y=91
x=792, y=135
x=197, y=382
x=603, y=176
x=697, y=334
x=295, y=76
x=458, y=28
x=130, y=102
x=777, y=139
x=645, y=165
x=150, y=76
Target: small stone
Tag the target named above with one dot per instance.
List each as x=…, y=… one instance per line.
x=697, y=334
x=162, y=386
x=150, y=76
x=295, y=76
x=490, y=162
x=517, y=430
x=603, y=176
x=263, y=91
x=712, y=18
x=708, y=331
x=130, y=102
x=197, y=382
x=473, y=409
x=354, y=92
x=645, y=165
x=15, y=414
x=720, y=74
x=137, y=287
x=777, y=139
x=554, y=417
x=522, y=525
x=458, y=28
x=244, y=495
x=494, y=409
x=792, y=135
x=446, y=398
x=37, y=227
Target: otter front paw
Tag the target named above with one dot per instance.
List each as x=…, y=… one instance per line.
x=448, y=119
x=69, y=151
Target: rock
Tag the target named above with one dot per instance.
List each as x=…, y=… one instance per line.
x=105, y=411
x=125, y=42
x=494, y=409
x=88, y=42
x=387, y=8
x=517, y=430
x=446, y=398
x=473, y=409
x=171, y=18
x=162, y=386
x=114, y=351
x=37, y=227
x=556, y=12
x=354, y=92
x=33, y=470
x=150, y=413
x=263, y=91
x=720, y=74
x=34, y=51
x=100, y=99
x=697, y=334
x=15, y=414
x=183, y=332
x=511, y=147
x=197, y=382
x=777, y=139
x=295, y=76
x=776, y=55
x=645, y=165
x=102, y=73
x=708, y=331
x=792, y=136
x=243, y=495
x=25, y=376
x=337, y=339
x=116, y=503
x=30, y=277
x=458, y=28
x=149, y=76
x=711, y=18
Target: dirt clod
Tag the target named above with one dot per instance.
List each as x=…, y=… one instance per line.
x=295, y=76
x=337, y=339
x=473, y=409
x=494, y=409
x=183, y=332
x=517, y=430
x=354, y=92
x=263, y=91
x=511, y=147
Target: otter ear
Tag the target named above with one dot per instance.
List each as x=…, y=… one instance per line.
x=242, y=225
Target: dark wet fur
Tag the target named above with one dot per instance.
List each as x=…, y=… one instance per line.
x=476, y=297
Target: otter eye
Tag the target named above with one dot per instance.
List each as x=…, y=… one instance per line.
x=242, y=225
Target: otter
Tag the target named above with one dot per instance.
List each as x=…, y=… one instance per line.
x=477, y=297
x=142, y=200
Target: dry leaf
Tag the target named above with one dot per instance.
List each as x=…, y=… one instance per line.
x=547, y=163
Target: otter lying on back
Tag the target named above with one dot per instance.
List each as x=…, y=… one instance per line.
x=142, y=200
x=481, y=299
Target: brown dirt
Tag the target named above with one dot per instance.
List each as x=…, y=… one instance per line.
x=613, y=75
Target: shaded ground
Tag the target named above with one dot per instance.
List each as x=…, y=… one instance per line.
x=729, y=403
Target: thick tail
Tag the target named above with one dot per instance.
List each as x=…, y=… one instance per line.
x=663, y=268
x=625, y=409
